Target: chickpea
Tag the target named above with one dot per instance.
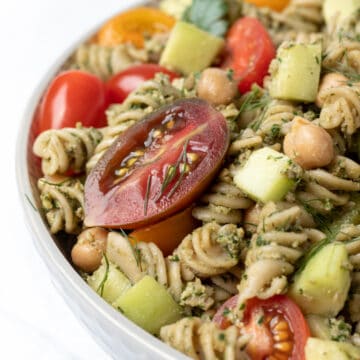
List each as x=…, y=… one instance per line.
x=252, y=218
x=329, y=81
x=216, y=87
x=88, y=251
x=308, y=145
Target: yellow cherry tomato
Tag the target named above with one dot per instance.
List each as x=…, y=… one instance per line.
x=277, y=5
x=133, y=25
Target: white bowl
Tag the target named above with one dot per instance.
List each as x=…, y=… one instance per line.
x=120, y=337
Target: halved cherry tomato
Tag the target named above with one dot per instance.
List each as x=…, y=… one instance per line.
x=73, y=96
x=277, y=327
x=249, y=52
x=276, y=5
x=157, y=167
x=133, y=25
x=167, y=234
x=124, y=82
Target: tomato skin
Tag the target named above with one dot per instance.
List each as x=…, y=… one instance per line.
x=259, y=347
x=249, y=52
x=167, y=234
x=198, y=126
x=121, y=84
x=73, y=96
x=277, y=5
x=131, y=25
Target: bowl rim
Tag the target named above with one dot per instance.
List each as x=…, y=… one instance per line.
x=39, y=232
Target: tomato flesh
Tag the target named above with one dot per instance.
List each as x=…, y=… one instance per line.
x=123, y=83
x=73, y=96
x=157, y=167
x=276, y=325
x=276, y=5
x=249, y=52
x=167, y=234
x=133, y=25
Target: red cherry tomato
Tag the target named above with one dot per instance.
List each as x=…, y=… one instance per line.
x=277, y=327
x=123, y=83
x=249, y=52
x=73, y=96
x=157, y=167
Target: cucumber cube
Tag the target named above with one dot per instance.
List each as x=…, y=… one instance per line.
x=149, y=305
x=264, y=176
x=339, y=10
x=109, y=281
x=297, y=75
x=322, y=287
x=190, y=49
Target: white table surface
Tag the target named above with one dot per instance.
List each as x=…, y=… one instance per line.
x=35, y=323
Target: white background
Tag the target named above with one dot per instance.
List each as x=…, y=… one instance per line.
x=35, y=323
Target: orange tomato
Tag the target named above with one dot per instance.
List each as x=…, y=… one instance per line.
x=277, y=5
x=167, y=234
x=133, y=25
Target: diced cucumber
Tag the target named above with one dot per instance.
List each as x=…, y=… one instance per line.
x=264, y=176
x=339, y=10
x=190, y=49
x=317, y=349
x=297, y=75
x=323, y=284
x=149, y=305
x=109, y=281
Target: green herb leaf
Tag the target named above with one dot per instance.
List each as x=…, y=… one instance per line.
x=100, y=289
x=147, y=194
x=208, y=15
x=30, y=202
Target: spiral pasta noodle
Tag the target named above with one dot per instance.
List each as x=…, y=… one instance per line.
x=106, y=61
x=215, y=252
x=148, y=97
x=274, y=250
x=323, y=191
x=65, y=149
x=204, y=340
x=304, y=15
x=223, y=203
x=301, y=16
x=341, y=108
x=62, y=201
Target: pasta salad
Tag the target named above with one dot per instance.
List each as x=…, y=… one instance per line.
x=202, y=158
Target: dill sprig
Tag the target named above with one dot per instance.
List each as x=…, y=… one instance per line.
x=320, y=219
x=183, y=157
x=30, y=202
x=352, y=75
x=147, y=194
x=134, y=248
x=171, y=172
x=100, y=289
x=311, y=253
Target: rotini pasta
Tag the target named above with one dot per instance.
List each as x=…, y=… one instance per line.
x=274, y=250
x=215, y=251
x=223, y=203
x=204, y=340
x=62, y=201
x=341, y=108
x=106, y=61
x=65, y=149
